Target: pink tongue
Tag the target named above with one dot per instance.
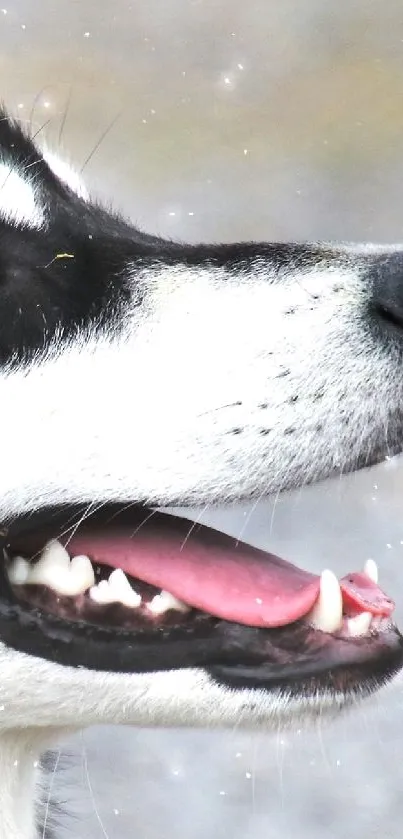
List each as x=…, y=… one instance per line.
x=211, y=572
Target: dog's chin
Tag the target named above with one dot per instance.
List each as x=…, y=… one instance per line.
x=270, y=644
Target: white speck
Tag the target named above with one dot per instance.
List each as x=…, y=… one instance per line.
x=46, y=104
x=248, y=775
x=388, y=545
x=374, y=498
x=175, y=771
x=222, y=792
x=36, y=764
x=227, y=80
x=1, y=707
x=172, y=213
x=238, y=754
x=144, y=121
x=16, y=763
x=4, y=11
x=20, y=105
x=23, y=26
x=375, y=486
x=153, y=111
x=190, y=214
x=116, y=812
x=338, y=762
x=245, y=151
x=259, y=600
x=86, y=34
x=240, y=66
x=183, y=72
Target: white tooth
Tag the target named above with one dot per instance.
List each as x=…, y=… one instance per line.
x=359, y=625
x=163, y=602
x=120, y=586
x=371, y=570
x=18, y=571
x=116, y=590
x=53, y=565
x=55, y=553
x=328, y=609
x=101, y=593
x=55, y=571
x=82, y=571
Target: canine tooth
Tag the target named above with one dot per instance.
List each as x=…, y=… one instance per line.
x=371, y=570
x=328, y=609
x=18, y=571
x=163, y=602
x=359, y=625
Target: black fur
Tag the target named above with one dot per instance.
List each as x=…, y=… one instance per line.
x=74, y=273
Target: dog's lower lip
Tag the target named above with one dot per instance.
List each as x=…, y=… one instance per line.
x=356, y=669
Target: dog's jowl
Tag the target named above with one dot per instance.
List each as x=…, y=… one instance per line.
x=136, y=373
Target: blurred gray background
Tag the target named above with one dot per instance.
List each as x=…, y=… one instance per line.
x=222, y=119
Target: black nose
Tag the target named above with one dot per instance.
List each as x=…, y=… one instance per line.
x=387, y=291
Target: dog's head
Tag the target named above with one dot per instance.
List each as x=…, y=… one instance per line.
x=136, y=373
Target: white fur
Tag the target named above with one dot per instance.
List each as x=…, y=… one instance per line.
x=40, y=701
x=200, y=344
x=66, y=172
x=19, y=199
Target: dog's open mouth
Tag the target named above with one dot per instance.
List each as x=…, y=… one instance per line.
x=137, y=590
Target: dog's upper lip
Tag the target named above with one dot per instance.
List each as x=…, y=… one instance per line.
x=206, y=569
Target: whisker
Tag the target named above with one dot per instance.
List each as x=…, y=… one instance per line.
x=101, y=139
x=65, y=113
x=91, y=791
x=49, y=795
x=35, y=103
x=92, y=507
x=192, y=527
x=44, y=125
x=151, y=514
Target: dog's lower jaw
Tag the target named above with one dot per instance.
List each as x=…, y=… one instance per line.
x=23, y=801
x=40, y=714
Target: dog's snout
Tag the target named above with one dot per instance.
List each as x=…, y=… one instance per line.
x=387, y=291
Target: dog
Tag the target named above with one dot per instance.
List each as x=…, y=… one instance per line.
x=138, y=374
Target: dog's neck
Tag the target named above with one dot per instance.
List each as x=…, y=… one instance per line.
x=20, y=751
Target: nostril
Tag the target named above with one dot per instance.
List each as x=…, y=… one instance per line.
x=386, y=288
x=391, y=313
